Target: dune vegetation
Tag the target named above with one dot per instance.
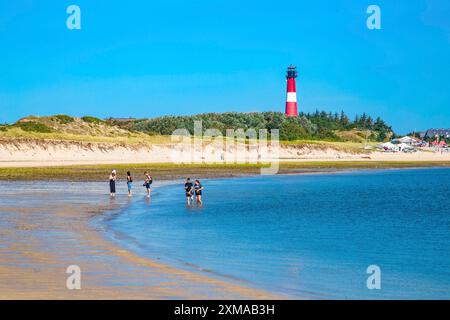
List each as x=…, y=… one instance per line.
x=319, y=125
x=66, y=128
x=319, y=129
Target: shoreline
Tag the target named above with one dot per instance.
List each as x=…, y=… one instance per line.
x=34, y=152
x=169, y=171
x=58, y=233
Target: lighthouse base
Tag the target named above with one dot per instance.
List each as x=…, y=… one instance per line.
x=291, y=109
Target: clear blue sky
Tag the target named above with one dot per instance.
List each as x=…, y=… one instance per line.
x=152, y=58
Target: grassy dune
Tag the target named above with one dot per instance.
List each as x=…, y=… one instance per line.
x=135, y=139
x=92, y=130
x=64, y=129
x=128, y=138
x=166, y=171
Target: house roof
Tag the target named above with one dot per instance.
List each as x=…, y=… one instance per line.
x=431, y=133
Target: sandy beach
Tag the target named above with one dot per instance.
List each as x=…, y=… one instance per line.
x=26, y=153
x=45, y=227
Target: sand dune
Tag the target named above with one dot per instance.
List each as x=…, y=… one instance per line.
x=26, y=153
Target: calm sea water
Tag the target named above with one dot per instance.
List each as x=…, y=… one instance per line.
x=305, y=236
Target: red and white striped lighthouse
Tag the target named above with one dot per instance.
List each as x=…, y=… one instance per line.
x=291, y=99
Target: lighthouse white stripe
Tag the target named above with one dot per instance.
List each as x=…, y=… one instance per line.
x=291, y=97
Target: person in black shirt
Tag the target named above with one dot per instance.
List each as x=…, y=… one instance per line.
x=198, y=191
x=112, y=183
x=189, y=187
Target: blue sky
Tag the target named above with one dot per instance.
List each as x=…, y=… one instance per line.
x=152, y=58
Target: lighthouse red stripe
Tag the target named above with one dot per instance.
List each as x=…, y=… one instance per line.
x=291, y=85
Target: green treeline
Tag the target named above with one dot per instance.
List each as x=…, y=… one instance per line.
x=316, y=126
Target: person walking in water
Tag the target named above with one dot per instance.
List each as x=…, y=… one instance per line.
x=112, y=183
x=148, y=183
x=189, y=187
x=198, y=188
x=129, y=183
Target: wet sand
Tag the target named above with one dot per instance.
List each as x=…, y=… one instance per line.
x=45, y=227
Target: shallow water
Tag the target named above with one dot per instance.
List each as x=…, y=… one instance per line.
x=304, y=236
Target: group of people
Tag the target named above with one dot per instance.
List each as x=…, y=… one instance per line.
x=112, y=183
x=192, y=189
